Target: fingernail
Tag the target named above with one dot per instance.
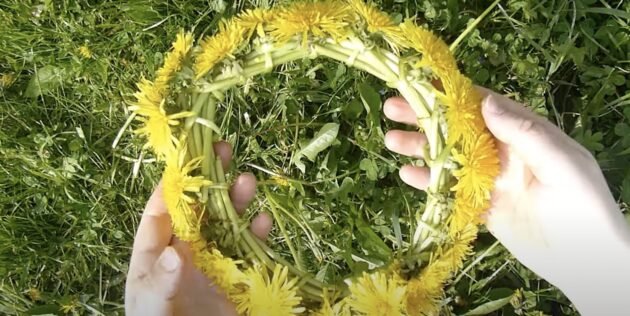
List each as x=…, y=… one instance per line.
x=169, y=260
x=491, y=106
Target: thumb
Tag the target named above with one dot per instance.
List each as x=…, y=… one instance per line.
x=154, y=296
x=166, y=274
x=533, y=139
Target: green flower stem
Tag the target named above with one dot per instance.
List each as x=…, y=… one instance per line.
x=415, y=99
x=310, y=234
x=383, y=65
x=225, y=199
x=211, y=195
x=346, y=56
x=430, y=124
x=208, y=149
x=223, y=82
x=269, y=47
x=247, y=243
x=429, y=121
x=372, y=57
x=280, y=222
x=198, y=101
x=259, y=249
x=190, y=154
x=471, y=26
x=310, y=284
x=198, y=138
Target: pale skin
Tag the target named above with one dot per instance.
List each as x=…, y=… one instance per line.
x=551, y=209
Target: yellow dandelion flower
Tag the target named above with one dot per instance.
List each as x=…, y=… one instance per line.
x=280, y=180
x=216, y=48
x=34, y=294
x=463, y=215
x=268, y=296
x=341, y=308
x=254, y=20
x=479, y=167
x=435, y=53
x=174, y=59
x=374, y=18
x=425, y=290
x=85, y=52
x=326, y=309
x=321, y=19
x=222, y=271
x=460, y=248
x=463, y=113
x=69, y=307
x=419, y=301
x=6, y=80
x=182, y=44
x=177, y=183
x=149, y=107
x=378, y=21
x=377, y=294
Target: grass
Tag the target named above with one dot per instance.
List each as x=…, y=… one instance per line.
x=70, y=203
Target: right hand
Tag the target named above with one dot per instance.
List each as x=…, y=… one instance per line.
x=551, y=207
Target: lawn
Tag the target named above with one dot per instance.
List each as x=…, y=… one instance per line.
x=73, y=184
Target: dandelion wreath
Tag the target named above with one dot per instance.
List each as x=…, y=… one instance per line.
x=177, y=112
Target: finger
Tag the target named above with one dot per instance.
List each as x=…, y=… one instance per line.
x=406, y=143
x=154, y=233
x=224, y=150
x=183, y=249
x=154, y=294
x=397, y=109
x=417, y=177
x=536, y=141
x=167, y=273
x=243, y=191
x=261, y=225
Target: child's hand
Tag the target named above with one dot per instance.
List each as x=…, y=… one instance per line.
x=162, y=279
x=551, y=207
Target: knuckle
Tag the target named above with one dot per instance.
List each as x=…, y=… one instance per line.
x=536, y=131
x=529, y=126
x=141, y=276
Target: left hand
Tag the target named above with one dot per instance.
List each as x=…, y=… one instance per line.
x=162, y=279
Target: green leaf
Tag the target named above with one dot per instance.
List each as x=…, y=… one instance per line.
x=353, y=110
x=613, y=12
x=489, y=307
x=45, y=79
x=372, y=103
x=592, y=141
x=623, y=131
x=41, y=310
x=344, y=189
x=322, y=140
x=625, y=189
x=371, y=99
x=140, y=12
x=371, y=242
x=370, y=168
